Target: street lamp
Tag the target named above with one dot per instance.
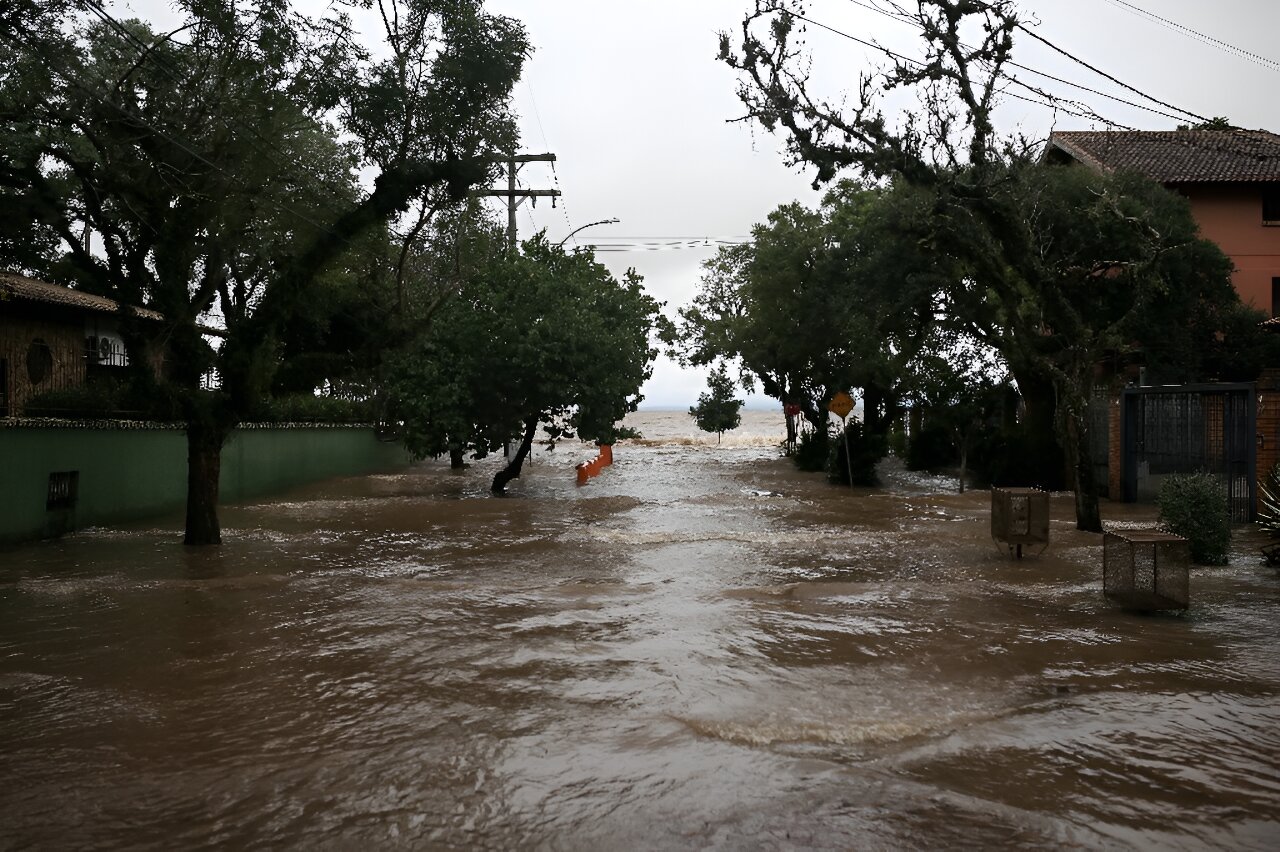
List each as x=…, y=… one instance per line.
x=613, y=221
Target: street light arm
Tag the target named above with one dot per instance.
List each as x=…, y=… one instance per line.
x=613, y=221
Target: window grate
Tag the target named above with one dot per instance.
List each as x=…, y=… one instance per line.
x=63, y=486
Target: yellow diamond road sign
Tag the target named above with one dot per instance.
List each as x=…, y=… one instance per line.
x=841, y=404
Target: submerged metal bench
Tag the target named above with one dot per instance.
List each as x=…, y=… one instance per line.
x=1146, y=569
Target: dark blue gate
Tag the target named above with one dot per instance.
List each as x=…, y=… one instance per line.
x=1190, y=428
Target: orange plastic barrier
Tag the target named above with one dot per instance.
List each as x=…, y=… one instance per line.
x=588, y=469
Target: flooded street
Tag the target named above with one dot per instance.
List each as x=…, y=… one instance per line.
x=702, y=648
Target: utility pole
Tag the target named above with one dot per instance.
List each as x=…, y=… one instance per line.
x=516, y=196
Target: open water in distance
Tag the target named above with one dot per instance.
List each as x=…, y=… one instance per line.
x=702, y=648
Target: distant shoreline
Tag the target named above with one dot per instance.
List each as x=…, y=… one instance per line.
x=684, y=409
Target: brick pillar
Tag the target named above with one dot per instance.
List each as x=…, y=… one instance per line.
x=1268, y=437
x=1115, y=449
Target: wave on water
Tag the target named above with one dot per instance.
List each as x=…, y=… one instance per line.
x=678, y=428
x=780, y=729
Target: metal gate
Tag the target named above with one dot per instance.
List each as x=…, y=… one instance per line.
x=1190, y=428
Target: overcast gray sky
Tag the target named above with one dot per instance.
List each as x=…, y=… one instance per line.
x=631, y=99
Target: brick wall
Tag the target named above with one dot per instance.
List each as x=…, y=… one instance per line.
x=66, y=366
x=1268, y=436
x=1115, y=447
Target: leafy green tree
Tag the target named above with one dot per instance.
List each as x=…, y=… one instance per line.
x=820, y=301
x=539, y=337
x=718, y=410
x=1068, y=269
x=957, y=384
x=211, y=177
x=1054, y=266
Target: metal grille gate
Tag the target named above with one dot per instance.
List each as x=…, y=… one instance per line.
x=1186, y=429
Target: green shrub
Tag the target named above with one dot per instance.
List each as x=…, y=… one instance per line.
x=309, y=408
x=1194, y=506
x=866, y=449
x=812, y=449
x=94, y=400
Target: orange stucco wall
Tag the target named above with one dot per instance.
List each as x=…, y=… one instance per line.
x=1231, y=216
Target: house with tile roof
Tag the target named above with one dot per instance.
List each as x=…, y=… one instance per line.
x=55, y=338
x=1231, y=178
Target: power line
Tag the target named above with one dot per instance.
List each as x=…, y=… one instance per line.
x=1052, y=101
x=611, y=246
x=906, y=19
x=564, y=208
x=1199, y=36
x=1102, y=73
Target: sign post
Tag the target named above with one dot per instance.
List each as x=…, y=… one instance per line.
x=792, y=411
x=841, y=404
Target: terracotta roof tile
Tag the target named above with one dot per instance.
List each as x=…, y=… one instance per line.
x=1177, y=156
x=29, y=289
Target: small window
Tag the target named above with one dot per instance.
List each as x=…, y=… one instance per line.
x=39, y=361
x=63, y=485
x=1275, y=297
x=1271, y=205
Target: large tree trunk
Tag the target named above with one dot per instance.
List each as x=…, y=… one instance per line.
x=1074, y=430
x=1046, y=464
x=204, y=464
x=456, y=457
x=512, y=470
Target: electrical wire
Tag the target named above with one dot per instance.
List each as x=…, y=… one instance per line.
x=1102, y=73
x=1226, y=47
x=615, y=245
x=1053, y=102
x=906, y=19
x=546, y=146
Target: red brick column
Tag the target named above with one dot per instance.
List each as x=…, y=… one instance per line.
x=1268, y=437
x=1115, y=447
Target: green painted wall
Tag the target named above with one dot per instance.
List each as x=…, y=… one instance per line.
x=135, y=471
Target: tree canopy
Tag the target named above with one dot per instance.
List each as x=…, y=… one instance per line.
x=821, y=301
x=211, y=174
x=540, y=337
x=1056, y=268
x=718, y=410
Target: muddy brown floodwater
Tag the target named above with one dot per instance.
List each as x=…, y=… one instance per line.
x=700, y=649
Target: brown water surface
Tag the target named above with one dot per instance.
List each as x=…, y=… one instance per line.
x=702, y=648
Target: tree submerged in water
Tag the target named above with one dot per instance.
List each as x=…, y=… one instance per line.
x=536, y=337
x=718, y=410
